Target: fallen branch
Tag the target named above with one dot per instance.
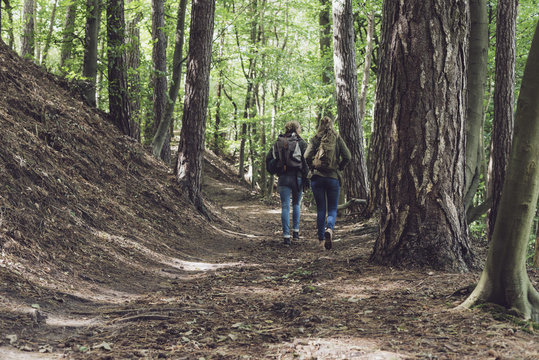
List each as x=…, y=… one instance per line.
x=351, y=202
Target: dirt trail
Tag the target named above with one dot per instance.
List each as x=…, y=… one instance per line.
x=102, y=257
x=260, y=300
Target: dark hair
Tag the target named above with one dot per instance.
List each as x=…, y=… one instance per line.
x=292, y=126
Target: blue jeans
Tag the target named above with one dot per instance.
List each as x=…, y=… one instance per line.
x=296, y=193
x=326, y=196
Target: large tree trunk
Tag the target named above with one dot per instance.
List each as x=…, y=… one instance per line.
x=160, y=137
x=191, y=148
x=502, y=127
x=159, y=76
x=477, y=74
x=89, y=67
x=366, y=65
x=356, y=184
x=117, y=70
x=68, y=33
x=133, y=64
x=504, y=280
x=420, y=112
x=27, y=41
x=49, y=33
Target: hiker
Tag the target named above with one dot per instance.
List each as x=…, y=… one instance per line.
x=286, y=160
x=326, y=156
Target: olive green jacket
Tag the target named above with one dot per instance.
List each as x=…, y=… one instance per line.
x=343, y=157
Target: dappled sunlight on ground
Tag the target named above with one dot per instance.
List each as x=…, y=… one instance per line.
x=10, y=353
x=334, y=348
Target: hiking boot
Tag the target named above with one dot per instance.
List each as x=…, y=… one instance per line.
x=295, y=235
x=286, y=241
x=328, y=236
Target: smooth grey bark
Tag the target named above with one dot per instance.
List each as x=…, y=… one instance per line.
x=419, y=140
x=89, y=65
x=119, y=109
x=28, y=38
x=162, y=131
x=504, y=280
x=356, y=184
x=504, y=88
x=188, y=168
x=477, y=74
x=68, y=33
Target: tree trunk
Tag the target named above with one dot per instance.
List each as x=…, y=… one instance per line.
x=191, y=148
x=477, y=74
x=502, y=127
x=159, y=78
x=117, y=71
x=504, y=280
x=27, y=41
x=367, y=65
x=49, y=33
x=356, y=184
x=419, y=117
x=160, y=137
x=100, y=74
x=69, y=33
x=249, y=76
x=133, y=64
x=89, y=67
x=326, y=56
x=536, y=254
x=9, y=11
x=217, y=141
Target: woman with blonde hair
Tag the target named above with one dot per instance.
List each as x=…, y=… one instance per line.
x=326, y=156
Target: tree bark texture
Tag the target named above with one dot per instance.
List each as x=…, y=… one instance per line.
x=366, y=65
x=119, y=108
x=160, y=137
x=68, y=33
x=191, y=147
x=89, y=67
x=355, y=175
x=133, y=75
x=504, y=280
x=159, y=76
x=419, y=121
x=477, y=74
x=324, y=20
x=502, y=127
x=27, y=41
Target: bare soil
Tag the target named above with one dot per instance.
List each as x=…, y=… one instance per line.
x=102, y=257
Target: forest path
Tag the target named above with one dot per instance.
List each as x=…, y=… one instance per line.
x=264, y=300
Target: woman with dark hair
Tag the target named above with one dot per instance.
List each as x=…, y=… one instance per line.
x=326, y=156
x=285, y=159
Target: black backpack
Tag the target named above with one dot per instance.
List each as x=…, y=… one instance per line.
x=287, y=152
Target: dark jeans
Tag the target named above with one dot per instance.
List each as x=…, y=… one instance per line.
x=326, y=195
